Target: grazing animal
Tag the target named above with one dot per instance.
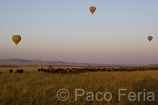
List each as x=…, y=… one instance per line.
x=0, y=72
x=19, y=71
x=45, y=70
x=57, y=71
x=39, y=70
x=22, y=70
x=10, y=70
x=75, y=71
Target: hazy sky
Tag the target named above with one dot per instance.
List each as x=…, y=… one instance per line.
x=65, y=30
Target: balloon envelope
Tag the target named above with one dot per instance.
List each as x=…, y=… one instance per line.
x=150, y=38
x=16, y=39
x=92, y=9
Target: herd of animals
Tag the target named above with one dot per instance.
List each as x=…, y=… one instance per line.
x=16, y=71
x=89, y=69
x=105, y=69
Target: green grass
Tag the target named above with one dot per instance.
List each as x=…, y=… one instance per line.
x=36, y=88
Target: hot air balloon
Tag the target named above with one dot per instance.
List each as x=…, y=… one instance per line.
x=150, y=38
x=92, y=9
x=16, y=39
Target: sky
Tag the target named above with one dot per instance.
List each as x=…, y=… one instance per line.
x=66, y=30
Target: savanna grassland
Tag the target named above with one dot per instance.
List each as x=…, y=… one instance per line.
x=39, y=88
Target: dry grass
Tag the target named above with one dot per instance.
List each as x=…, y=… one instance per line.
x=36, y=88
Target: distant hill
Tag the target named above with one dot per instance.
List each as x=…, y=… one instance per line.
x=153, y=64
x=17, y=61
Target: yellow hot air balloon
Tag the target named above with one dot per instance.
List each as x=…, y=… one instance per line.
x=150, y=38
x=16, y=39
x=92, y=9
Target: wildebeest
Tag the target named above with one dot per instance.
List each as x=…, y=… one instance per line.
x=75, y=71
x=39, y=70
x=19, y=71
x=64, y=71
x=10, y=70
x=0, y=72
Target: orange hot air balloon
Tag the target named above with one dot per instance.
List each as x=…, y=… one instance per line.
x=16, y=39
x=150, y=38
x=92, y=9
